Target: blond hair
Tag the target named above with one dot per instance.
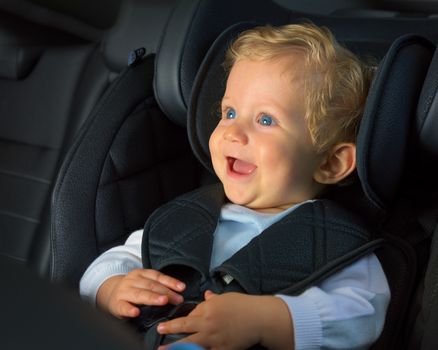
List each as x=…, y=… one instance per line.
x=335, y=82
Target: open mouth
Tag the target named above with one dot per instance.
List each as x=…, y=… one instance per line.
x=240, y=167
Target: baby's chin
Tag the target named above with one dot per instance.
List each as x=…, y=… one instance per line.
x=253, y=205
x=235, y=198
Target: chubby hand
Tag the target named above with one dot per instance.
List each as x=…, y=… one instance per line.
x=226, y=321
x=120, y=295
x=236, y=321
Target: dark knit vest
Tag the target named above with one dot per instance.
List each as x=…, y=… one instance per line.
x=313, y=241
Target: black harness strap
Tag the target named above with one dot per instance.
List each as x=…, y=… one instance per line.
x=302, y=248
x=306, y=246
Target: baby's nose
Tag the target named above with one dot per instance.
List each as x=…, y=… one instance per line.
x=236, y=133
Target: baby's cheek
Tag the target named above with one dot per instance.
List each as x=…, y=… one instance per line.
x=214, y=147
x=215, y=137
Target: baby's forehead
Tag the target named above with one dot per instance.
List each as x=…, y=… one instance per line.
x=294, y=64
x=290, y=67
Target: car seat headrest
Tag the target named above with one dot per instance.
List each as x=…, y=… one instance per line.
x=385, y=132
x=22, y=43
x=183, y=45
x=139, y=24
x=120, y=26
x=383, y=135
x=95, y=13
x=85, y=19
x=17, y=62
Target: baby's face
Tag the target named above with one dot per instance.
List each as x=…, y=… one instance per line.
x=261, y=149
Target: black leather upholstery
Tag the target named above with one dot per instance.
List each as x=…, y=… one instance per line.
x=38, y=83
x=51, y=77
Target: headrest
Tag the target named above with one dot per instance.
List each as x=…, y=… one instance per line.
x=383, y=136
x=17, y=62
x=139, y=24
x=184, y=45
x=22, y=43
x=385, y=130
x=121, y=26
x=98, y=14
x=85, y=19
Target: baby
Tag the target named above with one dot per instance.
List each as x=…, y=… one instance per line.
x=289, y=115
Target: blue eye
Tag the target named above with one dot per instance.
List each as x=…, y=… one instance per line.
x=230, y=114
x=266, y=120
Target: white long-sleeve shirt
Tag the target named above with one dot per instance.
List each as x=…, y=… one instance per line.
x=345, y=311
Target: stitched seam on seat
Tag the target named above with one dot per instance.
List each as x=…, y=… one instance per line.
x=13, y=257
x=26, y=177
x=20, y=217
x=28, y=144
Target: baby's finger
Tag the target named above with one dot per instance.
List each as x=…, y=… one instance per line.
x=125, y=309
x=165, y=280
x=149, y=291
x=209, y=294
x=142, y=296
x=190, y=324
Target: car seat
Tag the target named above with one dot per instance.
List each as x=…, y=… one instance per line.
x=132, y=153
x=57, y=60
x=383, y=152
x=78, y=228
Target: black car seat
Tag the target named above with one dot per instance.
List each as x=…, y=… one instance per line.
x=93, y=215
x=57, y=58
x=133, y=153
x=383, y=152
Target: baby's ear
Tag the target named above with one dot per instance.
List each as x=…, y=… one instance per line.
x=338, y=163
